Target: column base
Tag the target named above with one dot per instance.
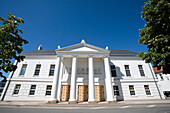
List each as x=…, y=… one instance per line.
x=52, y=101
x=92, y=102
x=72, y=102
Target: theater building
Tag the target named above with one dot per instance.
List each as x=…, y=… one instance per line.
x=81, y=73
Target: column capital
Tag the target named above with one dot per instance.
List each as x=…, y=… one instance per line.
x=59, y=56
x=106, y=56
x=90, y=56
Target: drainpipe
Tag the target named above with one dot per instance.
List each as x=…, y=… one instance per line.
x=7, y=83
x=155, y=81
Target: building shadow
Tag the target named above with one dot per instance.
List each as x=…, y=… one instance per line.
x=117, y=81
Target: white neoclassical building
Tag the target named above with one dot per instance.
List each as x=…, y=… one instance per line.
x=81, y=72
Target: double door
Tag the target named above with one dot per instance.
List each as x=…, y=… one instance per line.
x=82, y=93
x=65, y=93
x=99, y=93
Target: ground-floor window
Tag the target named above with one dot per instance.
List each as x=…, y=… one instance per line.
x=147, y=90
x=32, y=90
x=48, y=90
x=17, y=88
x=131, y=89
x=116, y=90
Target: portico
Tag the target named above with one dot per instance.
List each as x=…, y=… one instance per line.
x=86, y=71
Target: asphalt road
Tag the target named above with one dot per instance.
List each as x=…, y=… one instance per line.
x=161, y=108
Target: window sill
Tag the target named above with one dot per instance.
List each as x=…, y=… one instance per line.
x=31, y=95
x=134, y=96
x=149, y=95
x=14, y=95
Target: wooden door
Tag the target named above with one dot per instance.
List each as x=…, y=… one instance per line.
x=99, y=93
x=82, y=93
x=65, y=94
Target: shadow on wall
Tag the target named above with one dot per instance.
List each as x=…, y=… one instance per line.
x=117, y=82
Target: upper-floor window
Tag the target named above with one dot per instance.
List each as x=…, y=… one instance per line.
x=32, y=90
x=162, y=78
x=116, y=90
x=113, y=70
x=131, y=89
x=37, y=69
x=147, y=90
x=141, y=70
x=23, y=69
x=48, y=90
x=127, y=70
x=17, y=88
x=52, y=69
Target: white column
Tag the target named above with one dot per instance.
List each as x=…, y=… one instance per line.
x=91, y=81
x=73, y=80
x=55, y=80
x=108, y=82
x=59, y=81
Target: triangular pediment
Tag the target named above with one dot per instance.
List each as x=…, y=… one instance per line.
x=82, y=47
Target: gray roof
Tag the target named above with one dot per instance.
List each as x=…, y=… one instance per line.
x=122, y=53
x=42, y=52
x=49, y=52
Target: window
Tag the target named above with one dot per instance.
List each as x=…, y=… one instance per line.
x=127, y=70
x=162, y=78
x=147, y=90
x=37, y=69
x=17, y=88
x=156, y=76
x=48, y=90
x=52, y=68
x=132, y=90
x=116, y=90
x=141, y=70
x=113, y=70
x=32, y=90
x=23, y=69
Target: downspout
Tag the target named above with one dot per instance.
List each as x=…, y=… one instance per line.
x=155, y=81
x=7, y=83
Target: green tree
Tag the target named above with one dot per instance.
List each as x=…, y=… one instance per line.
x=10, y=43
x=156, y=34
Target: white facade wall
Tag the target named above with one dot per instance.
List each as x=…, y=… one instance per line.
x=121, y=80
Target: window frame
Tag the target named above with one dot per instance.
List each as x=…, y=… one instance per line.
x=132, y=90
x=161, y=77
x=141, y=70
x=23, y=68
x=147, y=90
x=47, y=90
x=16, y=89
x=127, y=70
x=113, y=70
x=32, y=90
x=37, y=69
x=115, y=91
x=51, y=69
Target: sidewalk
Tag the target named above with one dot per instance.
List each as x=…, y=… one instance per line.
x=84, y=104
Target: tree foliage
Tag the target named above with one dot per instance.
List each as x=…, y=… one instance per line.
x=10, y=43
x=156, y=34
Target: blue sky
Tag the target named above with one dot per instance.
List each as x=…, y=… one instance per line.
x=112, y=23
